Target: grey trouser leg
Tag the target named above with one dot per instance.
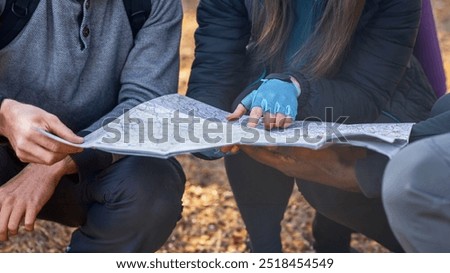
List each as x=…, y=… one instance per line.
x=416, y=195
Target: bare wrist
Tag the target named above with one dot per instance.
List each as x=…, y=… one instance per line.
x=66, y=167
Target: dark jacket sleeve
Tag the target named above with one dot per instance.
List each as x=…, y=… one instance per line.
x=222, y=36
x=375, y=65
x=437, y=125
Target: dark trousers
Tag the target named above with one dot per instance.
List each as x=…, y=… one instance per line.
x=262, y=195
x=131, y=206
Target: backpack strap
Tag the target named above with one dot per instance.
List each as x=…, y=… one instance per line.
x=17, y=13
x=15, y=16
x=138, y=11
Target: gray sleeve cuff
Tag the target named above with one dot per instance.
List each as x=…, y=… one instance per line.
x=369, y=172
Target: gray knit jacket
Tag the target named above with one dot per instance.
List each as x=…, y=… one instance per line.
x=78, y=60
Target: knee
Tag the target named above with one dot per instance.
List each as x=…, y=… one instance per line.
x=412, y=177
x=415, y=193
x=150, y=188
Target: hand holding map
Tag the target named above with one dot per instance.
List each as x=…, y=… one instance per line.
x=175, y=124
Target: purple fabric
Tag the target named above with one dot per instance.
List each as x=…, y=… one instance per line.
x=428, y=52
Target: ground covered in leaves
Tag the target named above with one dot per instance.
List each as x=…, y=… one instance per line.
x=211, y=221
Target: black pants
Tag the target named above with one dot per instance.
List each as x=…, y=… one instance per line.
x=132, y=206
x=262, y=195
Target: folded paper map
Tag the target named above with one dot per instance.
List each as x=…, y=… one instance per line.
x=175, y=124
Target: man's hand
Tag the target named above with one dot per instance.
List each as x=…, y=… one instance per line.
x=18, y=122
x=333, y=166
x=23, y=197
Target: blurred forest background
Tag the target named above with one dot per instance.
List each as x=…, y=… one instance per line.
x=211, y=221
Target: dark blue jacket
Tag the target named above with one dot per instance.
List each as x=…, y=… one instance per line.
x=380, y=73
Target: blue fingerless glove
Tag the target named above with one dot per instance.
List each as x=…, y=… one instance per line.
x=274, y=96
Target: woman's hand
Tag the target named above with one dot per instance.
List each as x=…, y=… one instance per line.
x=334, y=166
x=275, y=100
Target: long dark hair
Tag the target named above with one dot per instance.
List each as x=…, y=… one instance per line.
x=324, y=51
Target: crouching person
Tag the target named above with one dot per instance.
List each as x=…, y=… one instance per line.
x=66, y=69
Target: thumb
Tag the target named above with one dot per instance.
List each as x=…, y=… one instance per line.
x=238, y=113
x=58, y=128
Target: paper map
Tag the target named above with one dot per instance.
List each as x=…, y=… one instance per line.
x=175, y=124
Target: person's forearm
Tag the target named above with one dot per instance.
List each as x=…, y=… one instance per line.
x=334, y=166
x=335, y=172
x=64, y=167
